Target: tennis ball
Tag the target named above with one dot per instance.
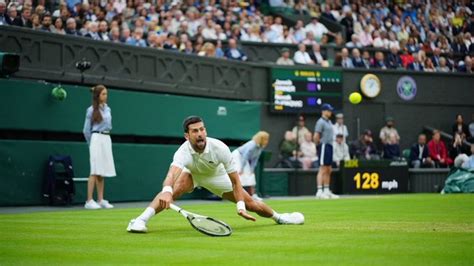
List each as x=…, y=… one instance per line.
x=59, y=93
x=355, y=98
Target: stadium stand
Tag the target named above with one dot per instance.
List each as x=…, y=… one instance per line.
x=443, y=30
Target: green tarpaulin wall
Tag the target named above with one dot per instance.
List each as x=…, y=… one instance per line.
x=28, y=105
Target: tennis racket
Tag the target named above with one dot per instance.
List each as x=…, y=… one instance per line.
x=204, y=224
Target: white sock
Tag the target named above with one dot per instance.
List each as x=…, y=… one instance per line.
x=326, y=188
x=147, y=214
x=276, y=216
x=320, y=189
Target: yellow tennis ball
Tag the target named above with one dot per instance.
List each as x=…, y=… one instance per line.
x=355, y=98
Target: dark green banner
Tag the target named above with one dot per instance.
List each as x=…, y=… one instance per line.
x=28, y=105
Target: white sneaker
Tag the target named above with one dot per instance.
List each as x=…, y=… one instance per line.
x=321, y=195
x=291, y=218
x=331, y=195
x=256, y=197
x=105, y=204
x=91, y=205
x=137, y=226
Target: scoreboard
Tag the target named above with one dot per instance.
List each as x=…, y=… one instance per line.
x=304, y=91
x=374, y=177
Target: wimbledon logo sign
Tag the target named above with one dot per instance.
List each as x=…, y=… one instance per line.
x=406, y=88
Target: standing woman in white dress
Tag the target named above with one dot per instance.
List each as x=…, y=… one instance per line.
x=97, y=133
x=246, y=157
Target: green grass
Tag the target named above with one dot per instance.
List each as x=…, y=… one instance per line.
x=385, y=230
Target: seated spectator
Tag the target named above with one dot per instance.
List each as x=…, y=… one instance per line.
x=391, y=149
x=406, y=58
x=393, y=59
x=436, y=57
x=429, y=67
x=365, y=148
x=457, y=147
x=285, y=59
x=316, y=28
x=365, y=37
x=71, y=28
x=357, y=61
x=346, y=61
x=367, y=59
x=300, y=130
x=412, y=46
x=93, y=31
x=379, y=61
x=443, y=67
x=299, y=31
x=341, y=150
x=208, y=50
x=12, y=16
x=388, y=130
x=301, y=56
x=104, y=31
x=460, y=127
x=416, y=65
x=288, y=37
x=438, y=151
x=26, y=17
x=309, y=39
x=233, y=52
x=35, y=22
x=316, y=55
x=340, y=128
x=309, y=156
x=58, y=27
x=135, y=40
x=470, y=163
x=46, y=23
x=354, y=43
x=288, y=151
x=419, y=155
x=471, y=130
x=3, y=7
x=466, y=66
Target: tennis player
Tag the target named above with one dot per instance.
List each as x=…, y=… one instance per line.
x=97, y=126
x=246, y=157
x=206, y=162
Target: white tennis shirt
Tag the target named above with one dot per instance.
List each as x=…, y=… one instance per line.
x=216, y=160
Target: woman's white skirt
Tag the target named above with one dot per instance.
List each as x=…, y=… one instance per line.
x=101, y=158
x=247, y=177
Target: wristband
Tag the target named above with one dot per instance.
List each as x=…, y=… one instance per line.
x=241, y=206
x=167, y=189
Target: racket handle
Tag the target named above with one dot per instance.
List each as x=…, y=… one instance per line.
x=175, y=208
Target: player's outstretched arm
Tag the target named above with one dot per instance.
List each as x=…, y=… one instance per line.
x=239, y=196
x=166, y=195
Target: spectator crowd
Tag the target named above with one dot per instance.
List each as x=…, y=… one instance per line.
x=297, y=149
x=421, y=35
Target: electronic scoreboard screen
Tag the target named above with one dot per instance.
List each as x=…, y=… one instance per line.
x=304, y=91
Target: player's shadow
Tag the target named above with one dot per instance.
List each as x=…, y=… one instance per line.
x=185, y=231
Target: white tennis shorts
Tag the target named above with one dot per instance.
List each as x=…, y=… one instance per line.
x=218, y=185
x=247, y=177
x=101, y=158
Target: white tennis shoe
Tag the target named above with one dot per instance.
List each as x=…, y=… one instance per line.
x=331, y=195
x=291, y=218
x=91, y=205
x=137, y=226
x=321, y=195
x=105, y=204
